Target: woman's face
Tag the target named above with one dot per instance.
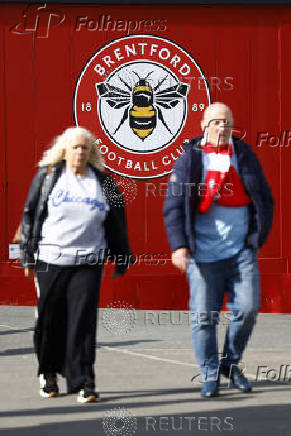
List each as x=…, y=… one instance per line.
x=77, y=152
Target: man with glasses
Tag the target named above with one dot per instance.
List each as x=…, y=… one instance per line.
x=218, y=212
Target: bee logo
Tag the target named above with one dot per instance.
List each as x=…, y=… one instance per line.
x=143, y=103
x=136, y=95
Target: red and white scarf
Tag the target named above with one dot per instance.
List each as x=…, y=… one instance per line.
x=220, y=174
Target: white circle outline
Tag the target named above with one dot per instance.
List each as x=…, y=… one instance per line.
x=135, y=36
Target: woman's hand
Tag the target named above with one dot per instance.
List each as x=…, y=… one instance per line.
x=116, y=274
x=180, y=258
x=29, y=273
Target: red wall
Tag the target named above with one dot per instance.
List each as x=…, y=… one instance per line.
x=246, y=48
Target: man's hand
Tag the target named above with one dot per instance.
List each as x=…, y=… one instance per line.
x=180, y=258
x=28, y=272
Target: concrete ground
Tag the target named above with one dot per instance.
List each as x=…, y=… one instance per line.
x=144, y=368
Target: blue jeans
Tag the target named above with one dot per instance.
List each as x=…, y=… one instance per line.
x=238, y=276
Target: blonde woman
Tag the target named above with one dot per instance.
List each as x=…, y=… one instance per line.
x=69, y=226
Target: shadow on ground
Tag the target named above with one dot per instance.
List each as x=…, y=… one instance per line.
x=243, y=421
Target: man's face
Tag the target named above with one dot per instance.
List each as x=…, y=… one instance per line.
x=78, y=152
x=218, y=124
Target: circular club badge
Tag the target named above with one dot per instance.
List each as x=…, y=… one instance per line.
x=139, y=96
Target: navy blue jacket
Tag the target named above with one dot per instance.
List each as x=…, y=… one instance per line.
x=183, y=196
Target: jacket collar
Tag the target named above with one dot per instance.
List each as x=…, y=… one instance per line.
x=240, y=147
x=99, y=174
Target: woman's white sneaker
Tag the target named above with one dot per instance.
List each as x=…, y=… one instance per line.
x=48, y=386
x=88, y=396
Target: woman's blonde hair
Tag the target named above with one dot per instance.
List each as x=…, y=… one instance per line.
x=56, y=153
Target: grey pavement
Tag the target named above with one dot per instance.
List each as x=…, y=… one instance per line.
x=144, y=366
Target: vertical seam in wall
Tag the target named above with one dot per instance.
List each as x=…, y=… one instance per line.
x=216, y=35
x=34, y=37
x=4, y=136
x=279, y=33
x=250, y=76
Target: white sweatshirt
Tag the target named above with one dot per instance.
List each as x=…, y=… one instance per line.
x=73, y=232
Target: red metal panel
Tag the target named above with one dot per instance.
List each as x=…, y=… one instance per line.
x=19, y=141
x=244, y=54
x=285, y=206
x=3, y=240
x=20, y=116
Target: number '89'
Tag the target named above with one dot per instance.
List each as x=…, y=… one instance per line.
x=196, y=107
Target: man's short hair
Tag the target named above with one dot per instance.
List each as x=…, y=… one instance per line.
x=211, y=108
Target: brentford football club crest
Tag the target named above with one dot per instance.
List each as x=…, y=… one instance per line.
x=139, y=96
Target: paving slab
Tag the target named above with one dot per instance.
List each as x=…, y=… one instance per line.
x=144, y=371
